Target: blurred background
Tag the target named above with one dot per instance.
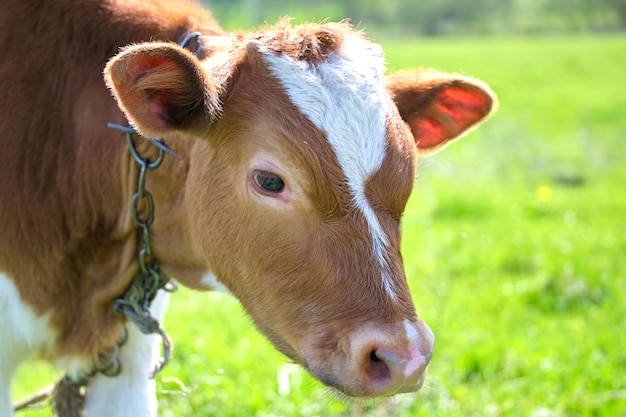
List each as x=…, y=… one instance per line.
x=435, y=18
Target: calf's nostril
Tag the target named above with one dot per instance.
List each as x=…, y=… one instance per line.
x=377, y=369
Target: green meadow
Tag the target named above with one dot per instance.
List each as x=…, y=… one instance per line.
x=514, y=242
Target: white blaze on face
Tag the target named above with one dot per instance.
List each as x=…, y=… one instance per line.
x=345, y=98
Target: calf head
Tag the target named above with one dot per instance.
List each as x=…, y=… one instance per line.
x=302, y=160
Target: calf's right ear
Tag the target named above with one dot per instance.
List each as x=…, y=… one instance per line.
x=162, y=87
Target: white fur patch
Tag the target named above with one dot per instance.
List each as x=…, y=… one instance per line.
x=345, y=97
x=19, y=324
x=23, y=334
x=210, y=281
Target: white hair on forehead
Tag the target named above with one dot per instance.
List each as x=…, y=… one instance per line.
x=345, y=97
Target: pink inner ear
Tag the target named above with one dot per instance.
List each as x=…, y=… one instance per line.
x=154, y=83
x=143, y=64
x=454, y=110
x=157, y=107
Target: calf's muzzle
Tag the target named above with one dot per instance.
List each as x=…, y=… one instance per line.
x=379, y=360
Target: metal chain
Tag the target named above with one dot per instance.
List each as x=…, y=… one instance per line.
x=135, y=303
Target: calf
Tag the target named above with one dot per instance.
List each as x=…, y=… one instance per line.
x=296, y=159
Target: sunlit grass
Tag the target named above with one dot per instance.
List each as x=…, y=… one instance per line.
x=514, y=243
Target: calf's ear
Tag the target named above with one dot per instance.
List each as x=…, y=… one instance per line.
x=439, y=107
x=161, y=87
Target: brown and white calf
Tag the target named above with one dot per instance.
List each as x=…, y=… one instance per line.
x=297, y=157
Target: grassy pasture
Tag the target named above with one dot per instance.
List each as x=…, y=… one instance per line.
x=514, y=243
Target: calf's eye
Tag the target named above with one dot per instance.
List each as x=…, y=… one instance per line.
x=268, y=182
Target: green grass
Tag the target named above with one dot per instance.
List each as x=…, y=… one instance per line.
x=515, y=246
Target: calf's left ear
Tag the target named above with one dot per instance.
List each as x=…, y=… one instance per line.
x=161, y=87
x=439, y=107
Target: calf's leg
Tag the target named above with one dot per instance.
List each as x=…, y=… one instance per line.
x=131, y=393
